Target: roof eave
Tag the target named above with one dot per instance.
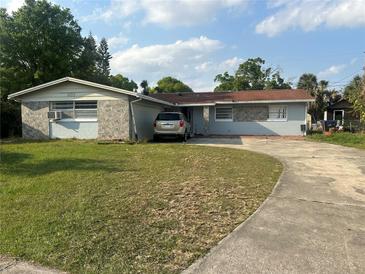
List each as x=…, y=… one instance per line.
x=246, y=102
x=151, y=99
x=70, y=79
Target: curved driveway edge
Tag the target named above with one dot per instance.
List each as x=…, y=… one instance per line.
x=313, y=222
x=13, y=266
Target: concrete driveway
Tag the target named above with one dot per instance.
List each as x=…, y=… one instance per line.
x=313, y=222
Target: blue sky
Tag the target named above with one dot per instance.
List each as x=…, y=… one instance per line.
x=194, y=40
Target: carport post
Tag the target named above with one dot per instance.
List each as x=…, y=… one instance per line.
x=135, y=134
x=206, y=119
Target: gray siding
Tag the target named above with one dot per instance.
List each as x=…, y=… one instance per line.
x=145, y=114
x=296, y=117
x=113, y=119
x=35, y=123
x=198, y=121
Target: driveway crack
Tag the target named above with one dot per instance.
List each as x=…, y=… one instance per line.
x=316, y=201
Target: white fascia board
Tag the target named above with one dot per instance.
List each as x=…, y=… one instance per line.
x=265, y=101
x=195, y=105
x=87, y=83
x=74, y=80
x=151, y=99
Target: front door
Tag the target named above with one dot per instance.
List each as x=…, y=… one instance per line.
x=338, y=115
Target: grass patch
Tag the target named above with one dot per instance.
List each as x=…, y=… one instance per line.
x=356, y=140
x=84, y=207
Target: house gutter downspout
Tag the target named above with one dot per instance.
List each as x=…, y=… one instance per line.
x=135, y=136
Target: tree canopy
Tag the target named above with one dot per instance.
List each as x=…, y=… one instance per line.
x=308, y=81
x=119, y=81
x=322, y=94
x=145, y=87
x=355, y=93
x=169, y=85
x=251, y=75
x=41, y=42
x=102, y=63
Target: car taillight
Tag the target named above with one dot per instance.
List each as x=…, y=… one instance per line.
x=181, y=123
x=154, y=124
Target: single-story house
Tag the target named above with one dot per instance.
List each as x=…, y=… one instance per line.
x=341, y=111
x=73, y=108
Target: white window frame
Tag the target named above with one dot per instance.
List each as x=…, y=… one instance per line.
x=223, y=120
x=338, y=110
x=278, y=119
x=73, y=110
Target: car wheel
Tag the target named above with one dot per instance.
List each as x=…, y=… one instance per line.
x=156, y=138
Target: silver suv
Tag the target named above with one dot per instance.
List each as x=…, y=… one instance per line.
x=171, y=124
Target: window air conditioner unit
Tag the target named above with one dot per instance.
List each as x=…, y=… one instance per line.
x=54, y=115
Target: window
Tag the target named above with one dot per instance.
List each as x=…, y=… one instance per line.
x=277, y=113
x=167, y=116
x=223, y=114
x=75, y=109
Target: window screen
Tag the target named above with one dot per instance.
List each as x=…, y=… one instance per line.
x=278, y=113
x=223, y=114
x=75, y=109
x=62, y=105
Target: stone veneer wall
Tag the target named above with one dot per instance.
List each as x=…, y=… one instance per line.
x=35, y=124
x=113, y=119
x=250, y=113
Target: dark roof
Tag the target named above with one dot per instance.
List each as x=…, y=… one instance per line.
x=237, y=96
x=341, y=104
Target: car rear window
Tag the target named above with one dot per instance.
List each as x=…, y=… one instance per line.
x=168, y=116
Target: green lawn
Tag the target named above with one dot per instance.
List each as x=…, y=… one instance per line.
x=85, y=207
x=356, y=140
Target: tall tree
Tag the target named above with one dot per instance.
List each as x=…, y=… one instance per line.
x=227, y=82
x=119, y=81
x=103, y=64
x=170, y=84
x=355, y=93
x=86, y=68
x=42, y=40
x=353, y=87
x=145, y=87
x=39, y=43
x=319, y=90
x=250, y=75
x=308, y=81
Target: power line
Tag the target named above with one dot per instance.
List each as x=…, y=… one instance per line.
x=351, y=75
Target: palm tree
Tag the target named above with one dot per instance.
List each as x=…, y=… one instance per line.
x=308, y=81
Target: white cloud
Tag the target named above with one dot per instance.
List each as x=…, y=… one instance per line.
x=11, y=5
x=203, y=67
x=331, y=71
x=191, y=61
x=169, y=56
x=117, y=41
x=167, y=13
x=310, y=14
x=231, y=63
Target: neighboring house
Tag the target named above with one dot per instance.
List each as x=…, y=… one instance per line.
x=93, y=111
x=341, y=111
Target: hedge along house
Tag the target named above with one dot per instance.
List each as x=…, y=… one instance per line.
x=73, y=108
